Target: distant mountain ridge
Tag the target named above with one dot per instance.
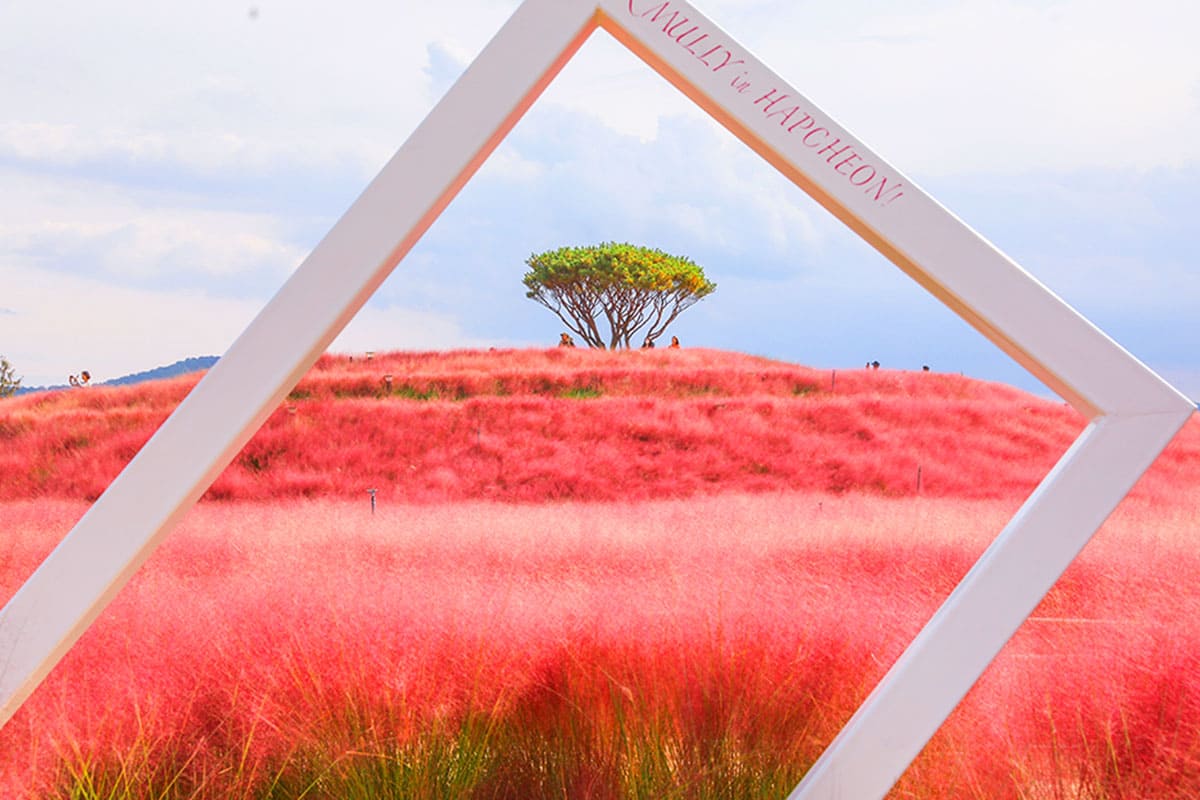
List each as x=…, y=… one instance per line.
x=181, y=367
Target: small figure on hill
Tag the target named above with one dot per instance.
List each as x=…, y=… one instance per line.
x=924, y=368
x=82, y=379
x=874, y=365
x=648, y=344
x=9, y=382
x=565, y=340
x=674, y=341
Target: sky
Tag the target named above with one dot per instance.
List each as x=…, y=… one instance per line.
x=165, y=167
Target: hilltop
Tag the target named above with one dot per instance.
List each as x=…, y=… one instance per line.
x=539, y=425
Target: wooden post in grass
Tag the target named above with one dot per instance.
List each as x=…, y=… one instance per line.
x=1132, y=412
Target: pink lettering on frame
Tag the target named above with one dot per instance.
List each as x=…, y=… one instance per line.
x=870, y=177
x=787, y=114
x=676, y=23
x=657, y=10
x=804, y=123
x=881, y=187
x=728, y=63
x=806, y=141
x=779, y=99
x=693, y=43
x=850, y=159
x=829, y=148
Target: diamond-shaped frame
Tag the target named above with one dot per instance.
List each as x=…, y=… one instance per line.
x=1133, y=413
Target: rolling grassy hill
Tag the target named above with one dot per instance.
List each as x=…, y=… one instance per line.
x=611, y=575
x=536, y=425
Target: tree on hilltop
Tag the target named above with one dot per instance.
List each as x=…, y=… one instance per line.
x=9, y=382
x=625, y=287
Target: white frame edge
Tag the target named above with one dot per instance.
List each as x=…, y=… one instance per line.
x=1134, y=412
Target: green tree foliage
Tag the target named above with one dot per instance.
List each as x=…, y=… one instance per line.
x=620, y=286
x=9, y=382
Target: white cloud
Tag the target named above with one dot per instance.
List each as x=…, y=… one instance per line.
x=78, y=226
x=383, y=328
x=146, y=245
x=937, y=86
x=946, y=86
x=616, y=89
x=1000, y=85
x=506, y=164
x=62, y=324
x=203, y=83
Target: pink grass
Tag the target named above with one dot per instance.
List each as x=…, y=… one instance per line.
x=702, y=555
x=538, y=425
x=256, y=628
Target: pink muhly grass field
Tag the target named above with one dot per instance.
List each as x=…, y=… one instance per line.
x=593, y=575
x=282, y=644
x=560, y=424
